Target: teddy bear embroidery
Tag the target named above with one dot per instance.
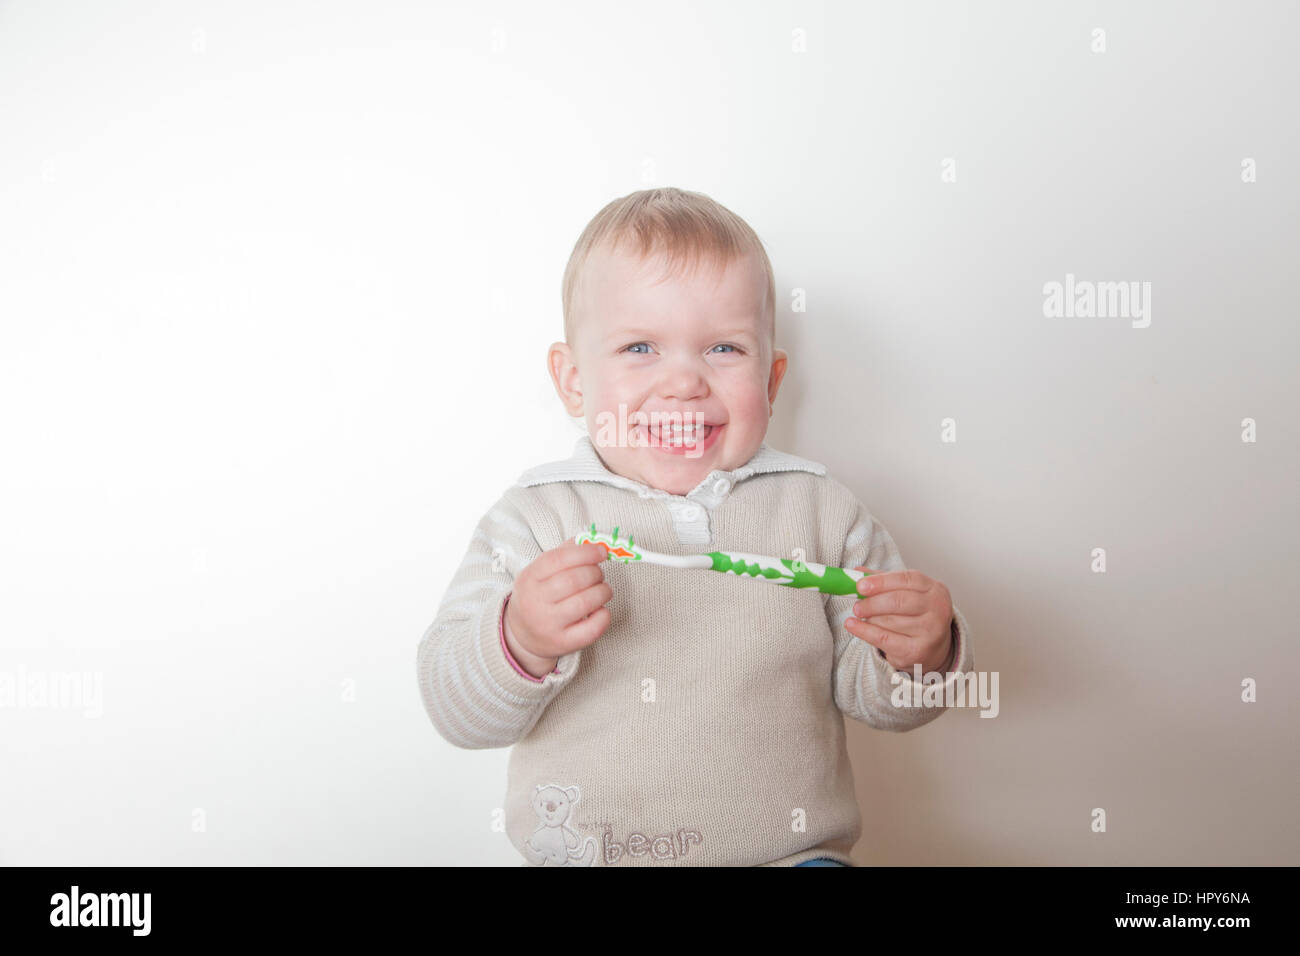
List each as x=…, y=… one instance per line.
x=554, y=842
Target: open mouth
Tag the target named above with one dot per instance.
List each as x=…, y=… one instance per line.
x=680, y=438
x=680, y=434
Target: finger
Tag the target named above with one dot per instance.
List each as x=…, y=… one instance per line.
x=888, y=641
x=570, y=581
x=583, y=603
x=903, y=624
x=868, y=574
x=900, y=603
x=569, y=555
x=894, y=581
x=581, y=633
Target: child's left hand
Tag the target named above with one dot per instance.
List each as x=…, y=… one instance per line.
x=905, y=614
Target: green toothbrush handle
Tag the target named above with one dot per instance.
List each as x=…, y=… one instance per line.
x=805, y=575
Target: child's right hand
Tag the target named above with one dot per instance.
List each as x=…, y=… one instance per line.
x=557, y=606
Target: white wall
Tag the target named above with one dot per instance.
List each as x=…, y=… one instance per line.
x=276, y=284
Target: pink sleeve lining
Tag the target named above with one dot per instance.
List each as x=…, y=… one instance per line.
x=501, y=629
x=955, y=631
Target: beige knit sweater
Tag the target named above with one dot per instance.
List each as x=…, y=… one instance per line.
x=705, y=726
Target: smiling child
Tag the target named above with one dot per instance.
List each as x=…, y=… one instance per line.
x=660, y=717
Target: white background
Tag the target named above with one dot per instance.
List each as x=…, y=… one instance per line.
x=276, y=286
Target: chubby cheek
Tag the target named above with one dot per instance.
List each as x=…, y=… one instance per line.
x=747, y=409
x=601, y=409
x=605, y=396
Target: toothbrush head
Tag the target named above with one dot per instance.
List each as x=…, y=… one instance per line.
x=615, y=550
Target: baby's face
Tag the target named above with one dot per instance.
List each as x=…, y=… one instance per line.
x=698, y=345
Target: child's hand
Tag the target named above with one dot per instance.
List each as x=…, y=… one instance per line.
x=557, y=606
x=905, y=614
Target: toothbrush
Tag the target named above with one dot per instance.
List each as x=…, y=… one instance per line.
x=805, y=575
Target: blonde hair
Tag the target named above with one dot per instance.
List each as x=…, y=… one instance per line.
x=688, y=226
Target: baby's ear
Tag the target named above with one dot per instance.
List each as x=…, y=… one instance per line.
x=563, y=370
x=780, y=362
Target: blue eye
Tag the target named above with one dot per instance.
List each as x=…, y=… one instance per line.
x=636, y=345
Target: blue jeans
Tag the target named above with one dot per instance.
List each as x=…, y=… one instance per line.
x=821, y=861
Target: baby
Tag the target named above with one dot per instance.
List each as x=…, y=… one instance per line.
x=660, y=716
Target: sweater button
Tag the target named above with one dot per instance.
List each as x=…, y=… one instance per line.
x=721, y=486
x=691, y=513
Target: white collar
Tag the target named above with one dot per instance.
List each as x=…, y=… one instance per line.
x=585, y=465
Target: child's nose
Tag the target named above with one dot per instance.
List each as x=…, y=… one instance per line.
x=684, y=380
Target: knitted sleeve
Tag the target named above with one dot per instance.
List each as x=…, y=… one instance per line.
x=471, y=690
x=864, y=681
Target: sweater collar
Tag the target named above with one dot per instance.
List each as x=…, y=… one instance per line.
x=585, y=465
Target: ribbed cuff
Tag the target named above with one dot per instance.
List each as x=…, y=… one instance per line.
x=505, y=648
